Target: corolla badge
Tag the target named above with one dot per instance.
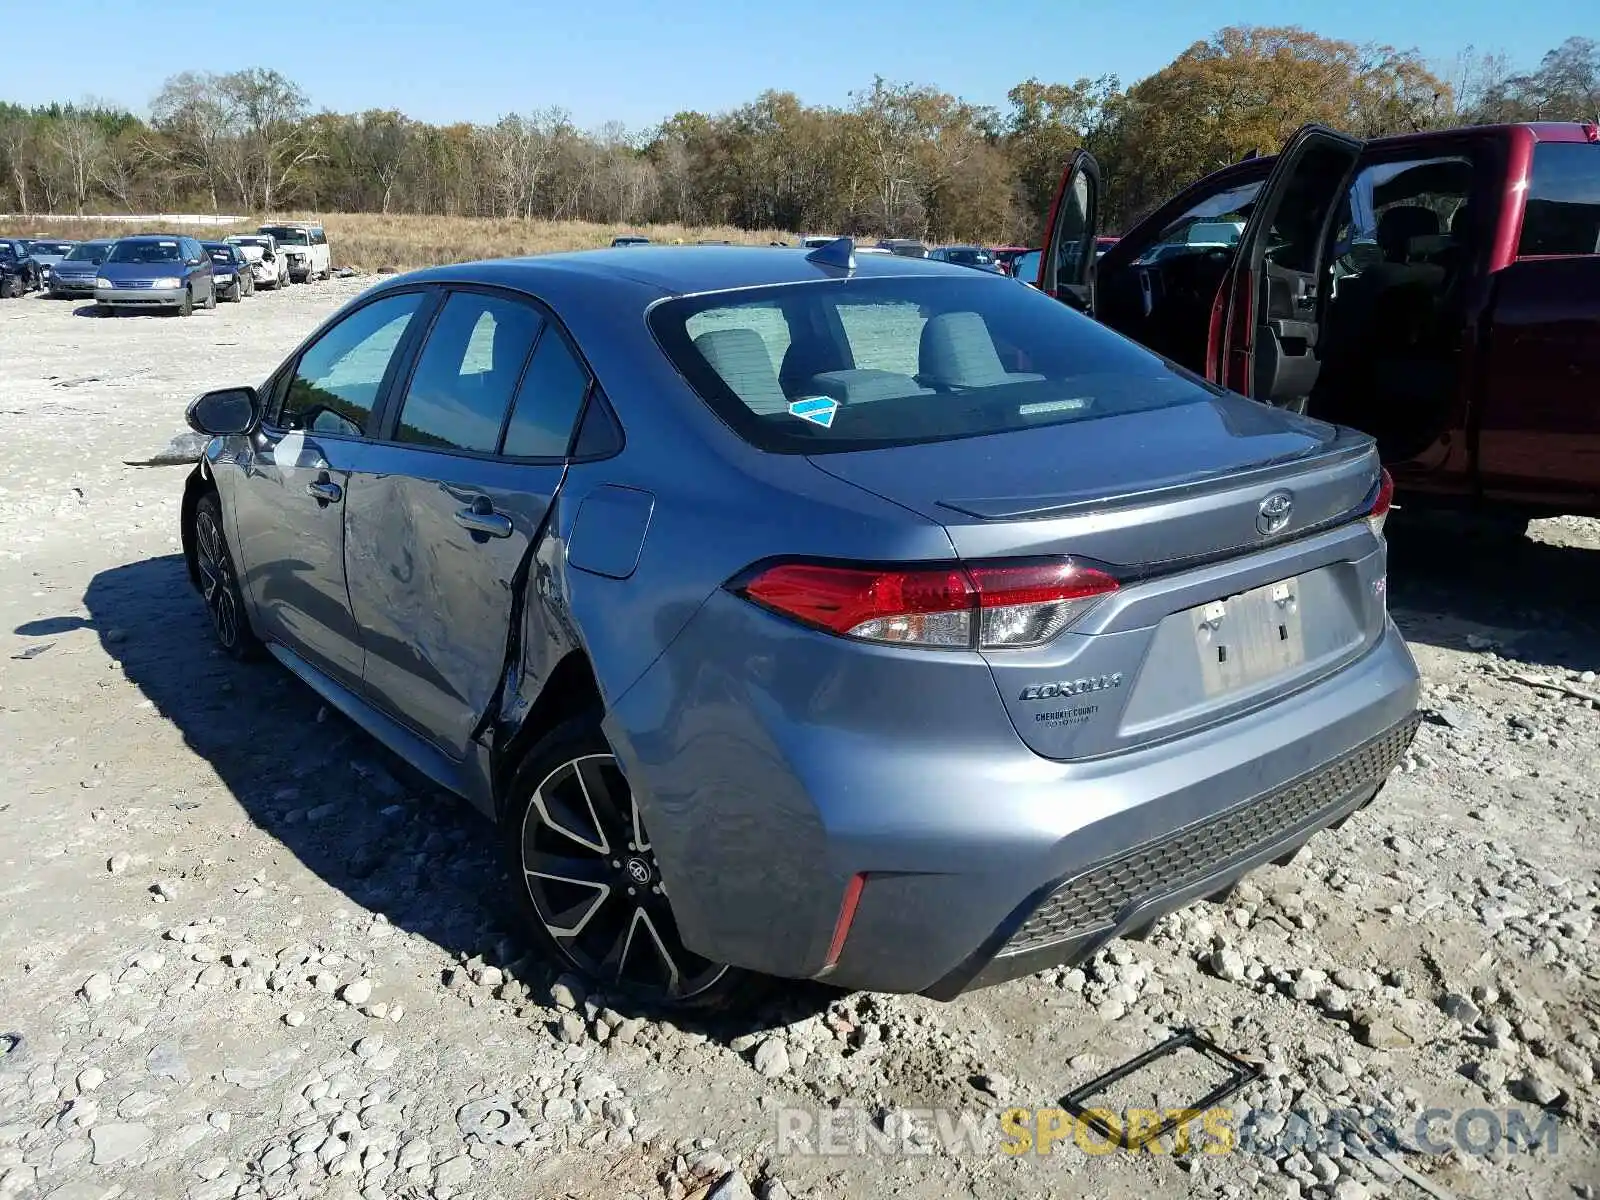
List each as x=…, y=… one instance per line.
x=1272, y=514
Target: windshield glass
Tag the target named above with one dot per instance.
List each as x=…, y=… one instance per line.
x=145, y=252
x=289, y=237
x=89, y=252
x=53, y=247
x=885, y=362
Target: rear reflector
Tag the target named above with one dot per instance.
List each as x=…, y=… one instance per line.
x=847, y=915
x=990, y=606
x=1380, y=507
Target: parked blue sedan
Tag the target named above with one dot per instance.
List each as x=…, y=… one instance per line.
x=232, y=269
x=155, y=271
x=75, y=274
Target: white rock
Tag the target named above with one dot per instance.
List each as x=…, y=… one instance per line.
x=357, y=992
x=771, y=1058
x=118, y=862
x=90, y=1078
x=117, y=1141
x=97, y=988
x=294, y=1018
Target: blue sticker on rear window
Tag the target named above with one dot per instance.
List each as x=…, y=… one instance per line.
x=819, y=410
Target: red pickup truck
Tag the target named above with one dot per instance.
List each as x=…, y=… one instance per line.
x=1438, y=290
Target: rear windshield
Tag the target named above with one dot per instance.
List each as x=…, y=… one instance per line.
x=90, y=252
x=145, y=252
x=1563, y=212
x=969, y=258
x=861, y=363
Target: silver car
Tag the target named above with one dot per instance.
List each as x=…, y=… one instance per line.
x=872, y=620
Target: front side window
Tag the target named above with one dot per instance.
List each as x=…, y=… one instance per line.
x=906, y=360
x=467, y=372
x=1563, y=209
x=336, y=382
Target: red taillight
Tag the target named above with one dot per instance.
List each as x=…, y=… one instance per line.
x=1380, y=507
x=987, y=605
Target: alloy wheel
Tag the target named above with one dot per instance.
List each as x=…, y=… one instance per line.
x=216, y=578
x=591, y=873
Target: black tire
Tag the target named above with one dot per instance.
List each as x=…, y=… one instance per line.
x=211, y=295
x=219, y=582
x=11, y=287
x=587, y=885
x=186, y=305
x=236, y=292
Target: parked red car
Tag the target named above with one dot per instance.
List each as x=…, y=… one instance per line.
x=1438, y=290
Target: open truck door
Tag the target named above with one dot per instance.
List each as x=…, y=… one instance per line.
x=1227, y=277
x=1066, y=268
x=1263, y=340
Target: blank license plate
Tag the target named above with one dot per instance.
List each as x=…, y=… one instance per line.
x=1250, y=637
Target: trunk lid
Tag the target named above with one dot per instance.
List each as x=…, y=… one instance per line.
x=1227, y=601
x=1136, y=490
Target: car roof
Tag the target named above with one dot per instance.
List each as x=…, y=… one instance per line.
x=153, y=237
x=670, y=270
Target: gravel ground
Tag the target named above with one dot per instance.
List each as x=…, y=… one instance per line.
x=243, y=958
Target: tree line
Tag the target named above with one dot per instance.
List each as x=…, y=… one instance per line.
x=897, y=159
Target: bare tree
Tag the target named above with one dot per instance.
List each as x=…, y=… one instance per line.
x=193, y=115
x=269, y=113
x=521, y=150
x=16, y=143
x=82, y=146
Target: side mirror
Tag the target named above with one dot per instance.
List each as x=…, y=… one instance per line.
x=224, y=412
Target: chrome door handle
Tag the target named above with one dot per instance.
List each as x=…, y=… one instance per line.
x=324, y=491
x=481, y=518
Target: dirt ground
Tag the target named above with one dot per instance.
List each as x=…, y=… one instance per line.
x=242, y=958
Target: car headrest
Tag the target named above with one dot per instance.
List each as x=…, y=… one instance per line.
x=957, y=351
x=1400, y=224
x=740, y=357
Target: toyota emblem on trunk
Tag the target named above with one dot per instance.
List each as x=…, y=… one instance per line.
x=1272, y=515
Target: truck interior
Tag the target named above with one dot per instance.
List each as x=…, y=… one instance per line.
x=1320, y=281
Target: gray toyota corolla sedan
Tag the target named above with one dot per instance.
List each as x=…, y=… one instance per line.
x=872, y=620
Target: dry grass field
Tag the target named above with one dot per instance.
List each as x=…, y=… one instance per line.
x=374, y=242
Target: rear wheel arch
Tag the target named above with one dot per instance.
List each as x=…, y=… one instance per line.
x=572, y=688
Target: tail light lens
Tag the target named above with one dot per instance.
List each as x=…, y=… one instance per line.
x=1380, y=507
x=990, y=606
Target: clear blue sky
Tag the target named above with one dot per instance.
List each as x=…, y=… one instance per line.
x=638, y=61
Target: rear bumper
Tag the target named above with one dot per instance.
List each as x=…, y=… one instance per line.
x=772, y=769
x=1069, y=919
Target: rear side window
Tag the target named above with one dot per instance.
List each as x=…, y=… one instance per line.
x=552, y=392
x=906, y=359
x=1563, y=210
x=467, y=372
